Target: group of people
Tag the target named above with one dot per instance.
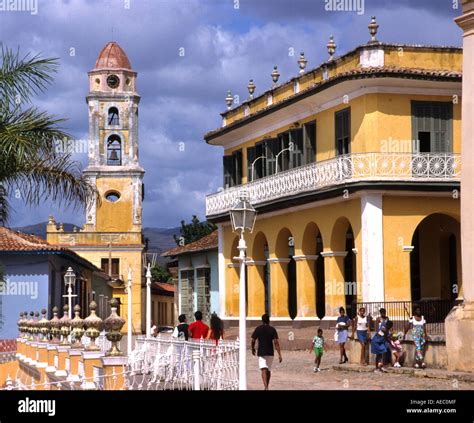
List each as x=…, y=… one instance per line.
x=198, y=329
x=383, y=343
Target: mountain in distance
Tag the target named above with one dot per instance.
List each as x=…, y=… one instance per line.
x=159, y=239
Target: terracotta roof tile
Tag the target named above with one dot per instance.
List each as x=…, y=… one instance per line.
x=163, y=286
x=209, y=242
x=11, y=240
x=112, y=56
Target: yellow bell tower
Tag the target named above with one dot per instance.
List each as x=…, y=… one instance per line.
x=112, y=235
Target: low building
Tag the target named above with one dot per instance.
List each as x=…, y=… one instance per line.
x=33, y=278
x=198, y=279
x=162, y=304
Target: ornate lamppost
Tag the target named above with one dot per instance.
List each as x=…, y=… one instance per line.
x=70, y=282
x=242, y=217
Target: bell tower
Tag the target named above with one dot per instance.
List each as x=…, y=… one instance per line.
x=113, y=144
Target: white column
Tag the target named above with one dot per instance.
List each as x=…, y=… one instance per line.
x=242, y=318
x=129, y=312
x=466, y=22
x=372, y=248
x=221, y=268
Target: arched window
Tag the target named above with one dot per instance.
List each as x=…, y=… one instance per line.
x=114, y=151
x=113, y=118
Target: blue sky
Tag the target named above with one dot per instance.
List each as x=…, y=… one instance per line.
x=226, y=42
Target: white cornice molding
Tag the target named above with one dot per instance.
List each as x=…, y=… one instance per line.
x=255, y=262
x=333, y=254
x=279, y=260
x=305, y=257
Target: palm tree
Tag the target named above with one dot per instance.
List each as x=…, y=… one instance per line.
x=30, y=161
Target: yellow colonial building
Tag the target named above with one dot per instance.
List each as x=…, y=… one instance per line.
x=354, y=169
x=112, y=237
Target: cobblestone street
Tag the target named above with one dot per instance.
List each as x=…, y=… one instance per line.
x=296, y=373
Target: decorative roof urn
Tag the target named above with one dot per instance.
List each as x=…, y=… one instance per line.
x=65, y=325
x=93, y=324
x=77, y=325
x=113, y=324
x=251, y=87
x=31, y=326
x=37, y=326
x=331, y=48
x=44, y=327
x=20, y=325
x=55, y=325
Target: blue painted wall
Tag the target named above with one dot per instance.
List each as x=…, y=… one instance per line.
x=28, y=275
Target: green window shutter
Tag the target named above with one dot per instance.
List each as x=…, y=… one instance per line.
x=271, y=150
x=228, y=171
x=260, y=170
x=297, y=148
x=237, y=156
x=309, y=140
x=284, y=158
x=250, y=159
x=342, y=127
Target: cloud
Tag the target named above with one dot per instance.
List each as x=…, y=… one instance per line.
x=182, y=95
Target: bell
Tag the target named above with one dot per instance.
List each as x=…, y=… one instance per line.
x=113, y=156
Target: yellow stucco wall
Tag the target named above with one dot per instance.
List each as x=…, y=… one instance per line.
x=379, y=123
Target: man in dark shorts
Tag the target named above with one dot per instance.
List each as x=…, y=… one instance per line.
x=267, y=336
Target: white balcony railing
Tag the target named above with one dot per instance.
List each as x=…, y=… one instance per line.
x=349, y=168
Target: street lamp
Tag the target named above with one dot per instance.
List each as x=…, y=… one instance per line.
x=129, y=311
x=70, y=282
x=242, y=217
x=253, y=166
x=290, y=148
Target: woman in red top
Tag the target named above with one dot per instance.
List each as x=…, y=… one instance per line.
x=217, y=331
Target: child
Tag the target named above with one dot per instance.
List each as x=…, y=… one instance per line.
x=396, y=348
x=318, y=347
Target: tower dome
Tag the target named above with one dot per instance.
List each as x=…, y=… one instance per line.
x=112, y=56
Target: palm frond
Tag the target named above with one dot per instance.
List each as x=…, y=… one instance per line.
x=26, y=134
x=21, y=77
x=52, y=178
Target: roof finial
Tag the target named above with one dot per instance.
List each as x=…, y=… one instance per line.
x=251, y=87
x=331, y=48
x=302, y=63
x=229, y=100
x=373, y=27
x=275, y=75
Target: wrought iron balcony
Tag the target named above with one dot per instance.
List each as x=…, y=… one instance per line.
x=360, y=167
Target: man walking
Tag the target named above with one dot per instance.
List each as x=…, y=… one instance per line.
x=267, y=337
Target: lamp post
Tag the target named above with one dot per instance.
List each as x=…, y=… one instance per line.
x=129, y=311
x=253, y=164
x=242, y=217
x=290, y=148
x=148, y=301
x=69, y=281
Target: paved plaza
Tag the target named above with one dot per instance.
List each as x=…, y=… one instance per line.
x=296, y=373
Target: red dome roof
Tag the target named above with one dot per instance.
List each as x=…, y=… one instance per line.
x=112, y=56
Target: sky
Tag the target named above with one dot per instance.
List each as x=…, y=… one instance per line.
x=225, y=42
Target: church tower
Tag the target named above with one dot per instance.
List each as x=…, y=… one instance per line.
x=111, y=237
x=113, y=143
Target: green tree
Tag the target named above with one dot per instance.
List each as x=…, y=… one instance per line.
x=193, y=231
x=160, y=274
x=30, y=160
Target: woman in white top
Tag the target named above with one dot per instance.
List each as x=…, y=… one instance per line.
x=363, y=333
x=417, y=323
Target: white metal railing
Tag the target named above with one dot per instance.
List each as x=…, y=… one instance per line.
x=169, y=363
x=343, y=169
